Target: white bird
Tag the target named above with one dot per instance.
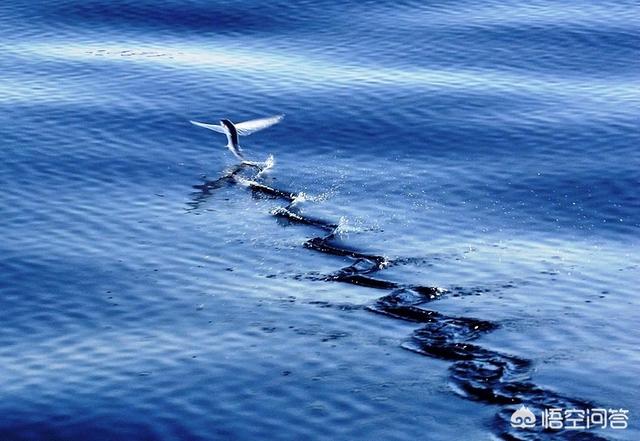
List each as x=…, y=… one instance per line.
x=241, y=129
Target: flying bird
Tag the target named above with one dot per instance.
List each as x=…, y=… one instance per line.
x=233, y=131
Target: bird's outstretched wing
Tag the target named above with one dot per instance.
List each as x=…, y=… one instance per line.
x=215, y=127
x=249, y=127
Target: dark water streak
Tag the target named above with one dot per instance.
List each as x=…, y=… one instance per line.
x=477, y=373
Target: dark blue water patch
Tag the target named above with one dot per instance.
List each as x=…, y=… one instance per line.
x=26, y=430
x=194, y=17
x=173, y=19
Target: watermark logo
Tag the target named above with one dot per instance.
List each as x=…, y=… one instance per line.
x=523, y=418
x=571, y=419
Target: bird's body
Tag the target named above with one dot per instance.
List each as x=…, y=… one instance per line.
x=234, y=131
x=233, y=141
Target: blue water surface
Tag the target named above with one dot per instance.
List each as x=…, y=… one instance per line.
x=492, y=145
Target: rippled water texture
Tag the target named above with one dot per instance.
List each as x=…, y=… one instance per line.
x=487, y=149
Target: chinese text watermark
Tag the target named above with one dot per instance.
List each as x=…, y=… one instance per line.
x=571, y=419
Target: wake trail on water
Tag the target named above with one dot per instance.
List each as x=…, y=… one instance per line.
x=477, y=373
